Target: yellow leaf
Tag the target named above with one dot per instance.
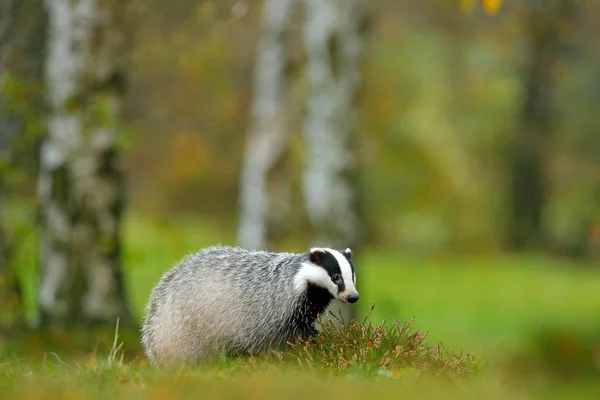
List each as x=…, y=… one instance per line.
x=491, y=6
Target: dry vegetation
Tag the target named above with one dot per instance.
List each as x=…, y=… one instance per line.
x=382, y=349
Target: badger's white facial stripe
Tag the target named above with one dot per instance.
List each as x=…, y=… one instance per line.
x=314, y=274
x=347, y=274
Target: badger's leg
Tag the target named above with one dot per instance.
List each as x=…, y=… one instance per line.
x=312, y=333
x=306, y=332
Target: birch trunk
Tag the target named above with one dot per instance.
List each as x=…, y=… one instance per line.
x=334, y=38
x=80, y=183
x=267, y=138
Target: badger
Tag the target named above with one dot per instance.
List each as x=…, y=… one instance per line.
x=232, y=301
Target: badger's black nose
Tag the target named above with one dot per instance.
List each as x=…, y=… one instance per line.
x=353, y=297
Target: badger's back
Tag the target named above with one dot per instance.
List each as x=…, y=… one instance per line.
x=221, y=299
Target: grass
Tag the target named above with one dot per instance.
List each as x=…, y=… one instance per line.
x=354, y=358
x=487, y=304
x=368, y=350
x=361, y=360
x=511, y=327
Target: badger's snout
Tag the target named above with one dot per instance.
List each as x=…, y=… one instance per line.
x=353, y=297
x=349, y=297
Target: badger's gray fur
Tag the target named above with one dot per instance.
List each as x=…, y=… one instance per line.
x=229, y=300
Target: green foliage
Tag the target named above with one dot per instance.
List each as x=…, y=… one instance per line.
x=20, y=98
x=20, y=222
x=10, y=305
x=102, y=111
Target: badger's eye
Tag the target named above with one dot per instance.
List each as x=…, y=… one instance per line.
x=335, y=277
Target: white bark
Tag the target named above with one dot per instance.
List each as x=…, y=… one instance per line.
x=334, y=43
x=79, y=184
x=267, y=138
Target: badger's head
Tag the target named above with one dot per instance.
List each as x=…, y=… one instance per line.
x=329, y=269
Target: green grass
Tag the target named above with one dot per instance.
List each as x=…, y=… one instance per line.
x=531, y=324
x=382, y=361
x=482, y=303
x=76, y=382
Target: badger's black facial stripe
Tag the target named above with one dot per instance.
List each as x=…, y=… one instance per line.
x=329, y=263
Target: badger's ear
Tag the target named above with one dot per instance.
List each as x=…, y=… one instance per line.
x=348, y=253
x=316, y=255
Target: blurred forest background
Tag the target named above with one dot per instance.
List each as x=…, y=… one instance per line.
x=137, y=131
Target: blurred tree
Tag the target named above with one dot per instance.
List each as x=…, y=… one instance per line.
x=262, y=179
x=546, y=23
x=11, y=312
x=9, y=293
x=334, y=36
x=22, y=37
x=10, y=297
x=80, y=181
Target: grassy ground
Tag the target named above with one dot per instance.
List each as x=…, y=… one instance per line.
x=531, y=324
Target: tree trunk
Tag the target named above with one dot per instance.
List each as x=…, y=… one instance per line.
x=11, y=309
x=22, y=38
x=10, y=302
x=11, y=312
x=334, y=39
x=267, y=138
x=527, y=164
x=80, y=184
